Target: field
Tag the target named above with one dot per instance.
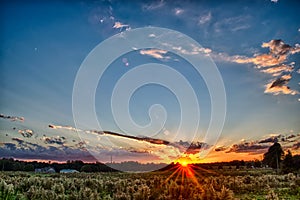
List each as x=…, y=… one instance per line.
x=181, y=183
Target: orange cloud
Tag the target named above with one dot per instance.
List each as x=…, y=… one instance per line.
x=120, y=25
x=156, y=53
x=262, y=60
x=273, y=61
x=279, y=86
x=276, y=71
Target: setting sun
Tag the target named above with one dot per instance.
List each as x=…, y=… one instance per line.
x=183, y=163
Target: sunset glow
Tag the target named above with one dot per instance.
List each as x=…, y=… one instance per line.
x=67, y=96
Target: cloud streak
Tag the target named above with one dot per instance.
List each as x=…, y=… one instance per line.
x=155, y=53
x=154, y=5
x=205, y=18
x=262, y=145
x=70, y=128
x=278, y=70
x=119, y=25
x=12, y=118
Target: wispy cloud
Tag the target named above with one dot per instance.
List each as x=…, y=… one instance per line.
x=52, y=126
x=154, y=5
x=189, y=49
x=178, y=11
x=278, y=70
x=205, y=18
x=232, y=24
x=119, y=25
x=155, y=53
x=12, y=118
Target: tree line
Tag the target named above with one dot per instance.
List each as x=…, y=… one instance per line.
x=10, y=164
x=274, y=158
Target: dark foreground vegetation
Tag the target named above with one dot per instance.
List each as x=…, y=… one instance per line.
x=275, y=177
x=180, y=184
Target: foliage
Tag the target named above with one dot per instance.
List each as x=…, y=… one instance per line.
x=147, y=186
x=274, y=156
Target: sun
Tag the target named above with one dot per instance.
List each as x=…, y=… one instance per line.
x=184, y=163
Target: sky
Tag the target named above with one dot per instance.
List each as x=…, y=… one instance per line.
x=248, y=48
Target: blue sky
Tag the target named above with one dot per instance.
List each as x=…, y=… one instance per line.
x=43, y=45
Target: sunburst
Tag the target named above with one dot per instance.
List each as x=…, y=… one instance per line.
x=185, y=171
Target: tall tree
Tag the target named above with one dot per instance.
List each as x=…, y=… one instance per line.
x=274, y=156
x=288, y=163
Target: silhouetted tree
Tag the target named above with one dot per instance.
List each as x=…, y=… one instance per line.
x=274, y=156
x=288, y=163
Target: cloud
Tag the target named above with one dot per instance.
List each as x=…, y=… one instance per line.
x=26, y=133
x=271, y=139
x=278, y=53
x=274, y=1
x=205, y=18
x=178, y=11
x=232, y=24
x=296, y=146
x=190, y=147
x=60, y=140
x=155, y=53
x=154, y=5
x=12, y=118
x=277, y=70
x=146, y=139
x=119, y=25
x=273, y=63
x=277, y=47
x=18, y=140
x=63, y=127
x=262, y=60
x=221, y=148
x=248, y=147
x=296, y=49
x=288, y=141
x=163, y=150
x=20, y=149
x=190, y=49
x=279, y=86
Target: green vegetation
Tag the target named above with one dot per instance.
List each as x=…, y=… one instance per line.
x=154, y=185
x=213, y=181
